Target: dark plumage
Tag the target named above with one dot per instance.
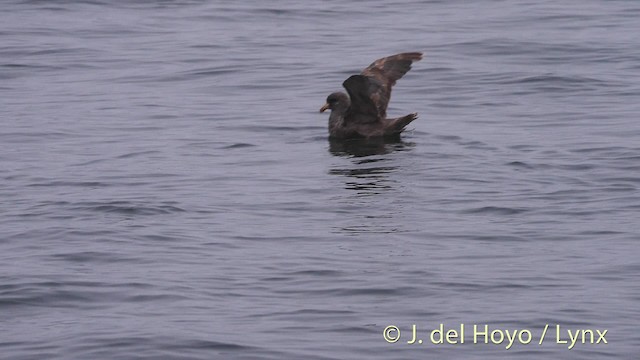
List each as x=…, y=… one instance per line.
x=363, y=113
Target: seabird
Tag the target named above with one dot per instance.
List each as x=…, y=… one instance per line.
x=363, y=113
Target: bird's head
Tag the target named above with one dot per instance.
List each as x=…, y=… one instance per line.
x=337, y=100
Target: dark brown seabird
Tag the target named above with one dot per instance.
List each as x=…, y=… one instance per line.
x=363, y=113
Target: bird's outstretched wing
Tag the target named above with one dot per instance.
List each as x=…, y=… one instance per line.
x=371, y=90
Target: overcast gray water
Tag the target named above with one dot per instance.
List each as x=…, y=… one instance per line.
x=168, y=190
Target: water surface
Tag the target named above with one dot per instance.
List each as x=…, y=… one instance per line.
x=168, y=189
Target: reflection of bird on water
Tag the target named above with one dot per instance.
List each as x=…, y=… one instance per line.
x=367, y=147
x=367, y=181
x=363, y=113
x=366, y=172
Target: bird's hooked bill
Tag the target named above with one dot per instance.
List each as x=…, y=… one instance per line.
x=324, y=107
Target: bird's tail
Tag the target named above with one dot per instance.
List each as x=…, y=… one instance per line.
x=397, y=125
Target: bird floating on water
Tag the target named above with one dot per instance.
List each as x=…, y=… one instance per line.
x=363, y=113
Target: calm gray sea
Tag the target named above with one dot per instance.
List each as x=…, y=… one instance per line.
x=168, y=190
